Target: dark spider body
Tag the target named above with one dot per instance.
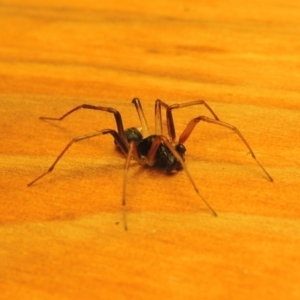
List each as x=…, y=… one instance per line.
x=155, y=150
x=164, y=158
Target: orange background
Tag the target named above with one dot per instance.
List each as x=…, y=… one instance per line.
x=63, y=238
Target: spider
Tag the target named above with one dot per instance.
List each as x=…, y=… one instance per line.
x=155, y=150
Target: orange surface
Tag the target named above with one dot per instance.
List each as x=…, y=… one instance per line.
x=63, y=238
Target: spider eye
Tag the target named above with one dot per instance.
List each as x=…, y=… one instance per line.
x=180, y=148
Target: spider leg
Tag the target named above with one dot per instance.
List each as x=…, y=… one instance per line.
x=191, y=125
x=117, y=116
x=169, y=115
x=158, y=117
x=150, y=160
x=151, y=155
x=142, y=117
x=132, y=152
x=179, y=158
x=116, y=136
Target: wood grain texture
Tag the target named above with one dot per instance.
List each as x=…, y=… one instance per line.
x=63, y=238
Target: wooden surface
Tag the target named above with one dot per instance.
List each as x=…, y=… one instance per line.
x=63, y=238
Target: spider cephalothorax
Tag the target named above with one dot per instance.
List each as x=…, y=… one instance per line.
x=155, y=150
x=164, y=158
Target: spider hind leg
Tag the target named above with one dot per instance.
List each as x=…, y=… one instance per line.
x=191, y=125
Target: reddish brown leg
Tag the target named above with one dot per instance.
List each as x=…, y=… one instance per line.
x=191, y=125
x=179, y=158
x=117, y=116
x=142, y=117
x=132, y=153
x=150, y=160
x=116, y=136
x=169, y=115
x=158, y=117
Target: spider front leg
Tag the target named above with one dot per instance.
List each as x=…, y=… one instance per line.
x=117, y=116
x=191, y=125
x=169, y=115
x=134, y=153
x=150, y=160
x=116, y=136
